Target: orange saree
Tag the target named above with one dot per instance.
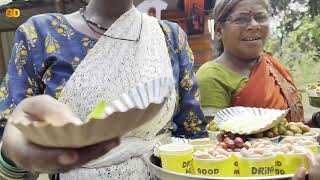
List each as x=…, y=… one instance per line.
x=270, y=86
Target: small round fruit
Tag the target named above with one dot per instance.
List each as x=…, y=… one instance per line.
x=220, y=137
x=231, y=136
x=238, y=142
x=282, y=130
x=289, y=133
x=231, y=145
x=269, y=134
x=275, y=131
x=227, y=139
x=305, y=128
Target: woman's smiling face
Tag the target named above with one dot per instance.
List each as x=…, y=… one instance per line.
x=246, y=29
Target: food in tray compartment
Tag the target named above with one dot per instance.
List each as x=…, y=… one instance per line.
x=231, y=142
x=212, y=126
x=255, y=153
x=217, y=153
x=202, y=141
x=288, y=149
x=310, y=134
x=286, y=129
x=201, y=144
x=256, y=162
x=308, y=142
x=213, y=162
x=177, y=157
x=299, y=141
x=260, y=143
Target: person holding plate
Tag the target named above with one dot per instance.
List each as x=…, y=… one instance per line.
x=242, y=74
x=313, y=172
x=61, y=62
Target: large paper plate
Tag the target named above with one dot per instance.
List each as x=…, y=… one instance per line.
x=246, y=120
x=107, y=120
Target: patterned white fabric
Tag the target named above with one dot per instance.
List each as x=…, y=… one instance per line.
x=126, y=171
x=110, y=69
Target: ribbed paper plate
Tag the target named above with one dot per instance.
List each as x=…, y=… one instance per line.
x=107, y=120
x=246, y=120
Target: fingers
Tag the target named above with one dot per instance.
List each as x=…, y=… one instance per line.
x=314, y=162
x=61, y=160
x=93, y=152
x=312, y=159
x=46, y=108
x=314, y=171
x=47, y=160
x=27, y=155
x=36, y=158
x=300, y=175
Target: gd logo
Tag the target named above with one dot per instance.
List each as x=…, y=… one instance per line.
x=12, y=13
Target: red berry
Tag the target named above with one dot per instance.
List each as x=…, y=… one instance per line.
x=227, y=139
x=231, y=145
x=238, y=142
x=220, y=137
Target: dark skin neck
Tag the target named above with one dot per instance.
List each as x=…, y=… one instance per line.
x=237, y=65
x=103, y=12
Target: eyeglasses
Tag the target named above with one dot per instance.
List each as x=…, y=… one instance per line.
x=244, y=19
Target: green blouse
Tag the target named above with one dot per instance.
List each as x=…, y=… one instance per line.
x=218, y=84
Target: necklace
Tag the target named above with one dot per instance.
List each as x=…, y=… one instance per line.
x=90, y=24
x=82, y=10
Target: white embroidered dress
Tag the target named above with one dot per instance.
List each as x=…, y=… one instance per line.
x=110, y=69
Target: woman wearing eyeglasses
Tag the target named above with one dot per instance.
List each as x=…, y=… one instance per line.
x=76, y=58
x=242, y=74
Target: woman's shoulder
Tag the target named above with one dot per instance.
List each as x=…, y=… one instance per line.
x=175, y=33
x=212, y=71
x=212, y=68
x=41, y=22
x=170, y=27
x=282, y=69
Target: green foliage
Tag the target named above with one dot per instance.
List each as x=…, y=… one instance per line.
x=299, y=51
